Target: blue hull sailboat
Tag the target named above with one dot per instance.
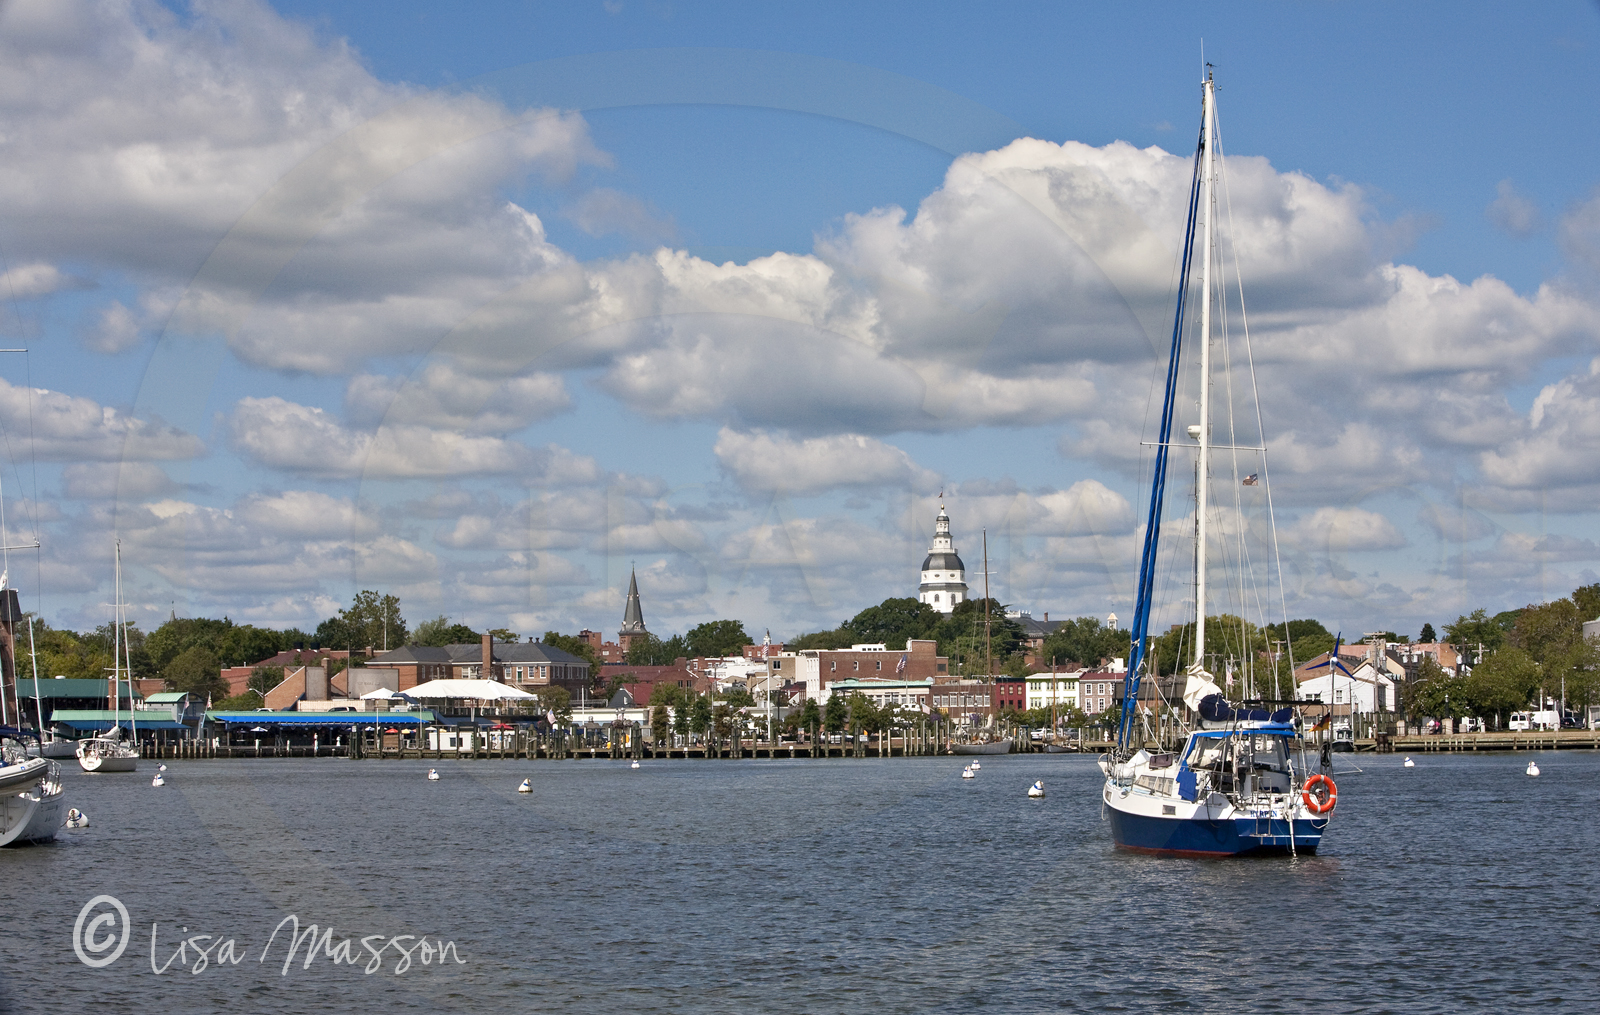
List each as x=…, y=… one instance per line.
x=1240, y=784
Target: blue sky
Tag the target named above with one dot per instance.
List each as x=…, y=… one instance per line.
x=485, y=306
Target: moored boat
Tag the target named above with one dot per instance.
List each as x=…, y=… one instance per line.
x=1240, y=784
x=983, y=747
x=31, y=799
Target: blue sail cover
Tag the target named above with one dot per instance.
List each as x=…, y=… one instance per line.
x=1215, y=708
x=1158, y=486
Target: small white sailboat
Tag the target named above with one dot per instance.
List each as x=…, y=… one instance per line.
x=109, y=752
x=1533, y=767
x=526, y=787
x=1036, y=791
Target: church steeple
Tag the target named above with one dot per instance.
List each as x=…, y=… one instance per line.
x=632, y=614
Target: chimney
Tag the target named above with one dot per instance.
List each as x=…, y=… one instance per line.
x=1047, y=616
x=488, y=657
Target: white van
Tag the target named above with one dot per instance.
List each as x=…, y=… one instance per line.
x=1546, y=720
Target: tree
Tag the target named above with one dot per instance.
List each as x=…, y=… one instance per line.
x=1587, y=599
x=961, y=635
x=835, y=714
x=1302, y=640
x=197, y=671
x=1427, y=637
x=265, y=678
x=439, y=632
x=842, y=637
x=1475, y=629
x=503, y=634
x=700, y=715
x=1085, y=641
x=863, y=714
x=892, y=622
x=739, y=696
x=810, y=715
x=717, y=638
x=372, y=618
x=1547, y=630
x=554, y=698
x=660, y=724
x=1504, y=682
x=649, y=650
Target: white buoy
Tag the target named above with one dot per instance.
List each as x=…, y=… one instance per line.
x=433, y=775
x=161, y=767
x=158, y=781
x=966, y=773
x=526, y=787
x=1533, y=768
x=1036, y=790
x=77, y=819
x=977, y=765
x=1410, y=763
x=634, y=765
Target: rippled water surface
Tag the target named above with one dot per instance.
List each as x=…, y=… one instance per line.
x=803, y=886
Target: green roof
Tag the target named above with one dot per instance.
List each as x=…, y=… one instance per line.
x=166, y=697
x=69, y=687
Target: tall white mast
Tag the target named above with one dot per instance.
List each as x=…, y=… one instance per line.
x=1203, y=468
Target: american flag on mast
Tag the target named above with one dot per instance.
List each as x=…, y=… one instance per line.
x=1249, y=480
x=900, y=667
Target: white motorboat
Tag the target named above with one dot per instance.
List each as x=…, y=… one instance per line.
x=31, y=801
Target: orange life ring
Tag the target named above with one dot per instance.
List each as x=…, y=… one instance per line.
x=1320, y=794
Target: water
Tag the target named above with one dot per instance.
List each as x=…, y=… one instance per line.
x=806, y=886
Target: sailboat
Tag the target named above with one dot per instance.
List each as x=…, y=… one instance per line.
x=1240, y=783
x=981, y=743
x=31, y=796
x=110, y=752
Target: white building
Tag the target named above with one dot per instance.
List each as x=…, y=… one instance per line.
x=1365, y=687
x=912, y=694
x=944, y=577
x=1052, y=690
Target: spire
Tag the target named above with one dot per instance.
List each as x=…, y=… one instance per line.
x=632, y=613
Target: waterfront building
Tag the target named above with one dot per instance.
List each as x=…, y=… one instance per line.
x=1010, y=694
x=1101, y=689
x=818, y=669
x=944, y=576
x=911, y=694
x=967, y=701
x=526, y=665
x=40, y=699
x=1053, y=690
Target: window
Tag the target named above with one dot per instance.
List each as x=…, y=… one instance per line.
x=833, y=667
x=880, y=664
x=857, y=664
x=936, y=597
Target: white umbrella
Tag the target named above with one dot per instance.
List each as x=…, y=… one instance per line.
x=479, y=690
